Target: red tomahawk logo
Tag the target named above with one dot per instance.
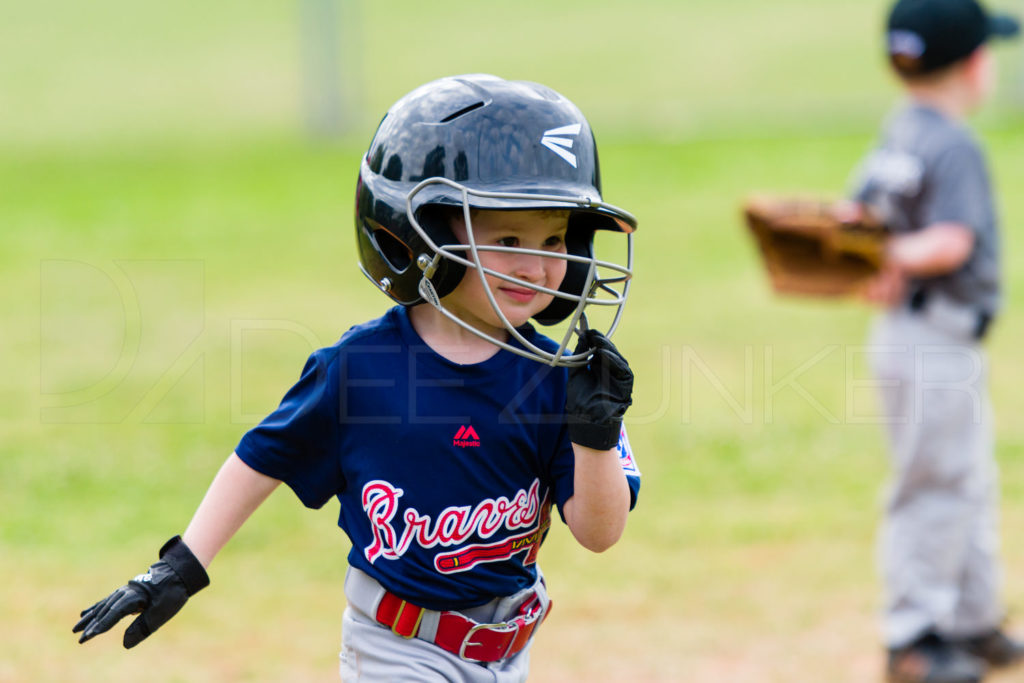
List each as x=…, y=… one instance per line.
x=467, y=557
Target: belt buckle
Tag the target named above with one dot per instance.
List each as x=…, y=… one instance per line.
x=505, y=627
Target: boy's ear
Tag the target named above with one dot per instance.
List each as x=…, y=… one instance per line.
x=979, y=71
x=972, y=63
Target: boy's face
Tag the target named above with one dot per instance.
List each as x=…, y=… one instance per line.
x=539, y=230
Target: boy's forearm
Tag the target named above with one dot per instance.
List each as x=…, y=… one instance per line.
x=597, y=512
x=234, y=495
x=936, y=250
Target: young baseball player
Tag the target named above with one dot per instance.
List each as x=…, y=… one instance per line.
x=449, y=427
x=940, y=287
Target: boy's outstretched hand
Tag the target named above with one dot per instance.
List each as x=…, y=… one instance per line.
x=158, y=595
x=598, y=394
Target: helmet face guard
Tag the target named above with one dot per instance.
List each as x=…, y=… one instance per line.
x=480, y=142
x=588, y=281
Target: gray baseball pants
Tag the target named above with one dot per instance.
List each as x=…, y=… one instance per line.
x=370, y=652
x=939, y=540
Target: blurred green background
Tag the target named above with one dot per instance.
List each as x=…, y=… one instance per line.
x=176, y=236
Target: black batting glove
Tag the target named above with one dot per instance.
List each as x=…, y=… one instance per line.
x=158, y=595
x=598, y=394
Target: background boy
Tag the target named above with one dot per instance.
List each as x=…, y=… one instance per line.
x=928, y=180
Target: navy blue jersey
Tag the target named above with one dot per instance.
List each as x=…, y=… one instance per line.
x=446, y=473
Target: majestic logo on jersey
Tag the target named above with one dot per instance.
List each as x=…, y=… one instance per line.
x=454, y=525
x=466, y=437
x=559, y=145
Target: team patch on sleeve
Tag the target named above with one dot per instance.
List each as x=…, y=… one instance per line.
x=626, y=454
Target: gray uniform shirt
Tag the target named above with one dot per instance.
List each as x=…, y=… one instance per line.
x=926, y=169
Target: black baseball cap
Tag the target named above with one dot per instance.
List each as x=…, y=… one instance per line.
x=925, y=35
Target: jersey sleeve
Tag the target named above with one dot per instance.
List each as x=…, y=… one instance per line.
x=294, y=443
x=958, y=189
x=859, y=186
x=629, y=467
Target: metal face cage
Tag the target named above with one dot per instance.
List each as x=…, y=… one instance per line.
x=606, y=283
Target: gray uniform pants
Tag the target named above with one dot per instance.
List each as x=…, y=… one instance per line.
x=370, y=652
x=939, y=540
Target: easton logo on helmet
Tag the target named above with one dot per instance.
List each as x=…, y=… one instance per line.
x=552, y=140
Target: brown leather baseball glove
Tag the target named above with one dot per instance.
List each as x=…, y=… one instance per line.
x=816, y=247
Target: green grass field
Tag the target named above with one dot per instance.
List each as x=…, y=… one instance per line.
x=173, y=246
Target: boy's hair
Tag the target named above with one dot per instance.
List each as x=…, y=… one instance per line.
x=911, y=74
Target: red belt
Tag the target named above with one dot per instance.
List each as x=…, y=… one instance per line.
x=460, y=635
